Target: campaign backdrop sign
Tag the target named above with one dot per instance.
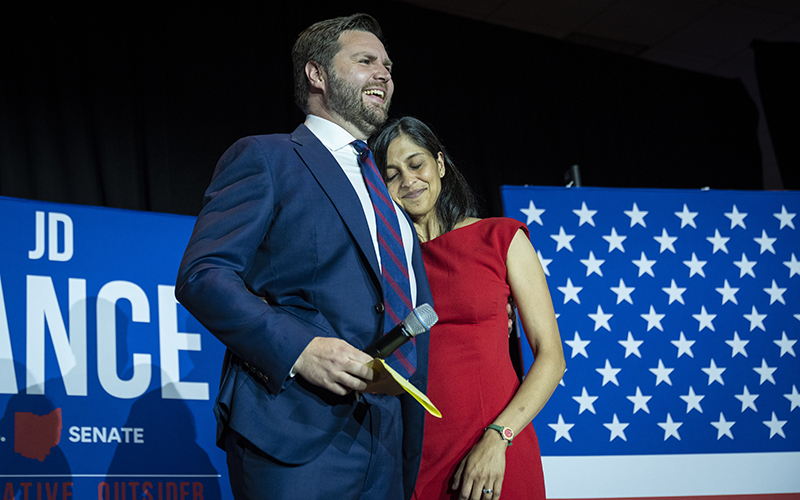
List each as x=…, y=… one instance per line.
x=679, y=313
x=106, y=383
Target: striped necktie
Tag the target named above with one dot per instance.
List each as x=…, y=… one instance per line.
x=396, y=288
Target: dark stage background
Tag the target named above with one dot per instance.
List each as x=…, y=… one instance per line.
x=130, y=107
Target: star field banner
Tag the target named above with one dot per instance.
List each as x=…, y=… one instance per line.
x=106, y=382
x=679, y=313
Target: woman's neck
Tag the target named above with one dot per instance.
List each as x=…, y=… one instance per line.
x=428, y=227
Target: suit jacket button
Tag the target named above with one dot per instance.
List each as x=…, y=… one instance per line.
x=379, y=308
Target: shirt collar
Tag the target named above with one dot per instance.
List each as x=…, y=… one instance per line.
x=330, y=134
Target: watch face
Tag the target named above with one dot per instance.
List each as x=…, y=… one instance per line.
x=508, y=433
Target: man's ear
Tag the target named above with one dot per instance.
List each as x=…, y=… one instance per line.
x=316, y=75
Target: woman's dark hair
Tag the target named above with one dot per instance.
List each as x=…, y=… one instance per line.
x=456, y=201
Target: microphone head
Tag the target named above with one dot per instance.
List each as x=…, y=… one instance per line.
x=420, y=320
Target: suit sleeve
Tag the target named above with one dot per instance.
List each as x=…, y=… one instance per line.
x=237, y=213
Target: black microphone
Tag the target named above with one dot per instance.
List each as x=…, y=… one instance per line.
x=420, y=320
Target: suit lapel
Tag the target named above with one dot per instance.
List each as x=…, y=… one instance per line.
x=328, y=173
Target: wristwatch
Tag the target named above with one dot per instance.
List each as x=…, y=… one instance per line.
x=505, y=432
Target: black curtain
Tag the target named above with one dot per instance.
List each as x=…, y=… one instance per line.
x=131, y=108
x=776, y=68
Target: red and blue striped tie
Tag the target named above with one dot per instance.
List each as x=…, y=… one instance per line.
x=396, y=288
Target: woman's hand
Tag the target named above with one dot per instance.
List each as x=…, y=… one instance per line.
x=482, y=468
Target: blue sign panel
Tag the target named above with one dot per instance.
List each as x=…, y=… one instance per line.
x=106, y=383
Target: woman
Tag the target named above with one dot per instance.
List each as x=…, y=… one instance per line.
x=473, y=266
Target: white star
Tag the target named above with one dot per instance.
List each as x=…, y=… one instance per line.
x=533, y=213
x=714, y=373
x=765, y=372
x=687, y=217
x=586, y=401
x=645, y=266
x=639, y=401
x=737, y=345
x=745, y=266
x=692, y=401
x=623, y=292
x=637, y=216
x=609, y=374
x=544, y=262
x=775, y=426
x=705, y=319
x=601, y=319
x=775, y=293
x=793, y=398
x=562, y=429
x=766, y=242
x=570, y=292
x=662, y=373
x=563, y=239
x=578, y=346
x=631, y=346
x=617, y=429
x=736, y=217
x=728, y=293
x=785, y=217
x=684, y=346
x=615, y=241
x=592, y=264
x=670, y=428
x=675, y=293
x=723, y=427
x=666, y=241
x=756, y=320
x=695, y=266
x=793, y=265
x=718, y=241
x=748, y=400
x=653, y=319
x=585, y=215
x=786, y=345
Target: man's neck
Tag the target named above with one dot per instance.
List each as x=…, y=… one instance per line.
x=338, y=120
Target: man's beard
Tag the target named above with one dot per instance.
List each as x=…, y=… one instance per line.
x=346, y=100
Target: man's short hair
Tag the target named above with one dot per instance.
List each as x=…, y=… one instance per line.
x=320, y=43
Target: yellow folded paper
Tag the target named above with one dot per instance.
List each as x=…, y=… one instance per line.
x=380, y=365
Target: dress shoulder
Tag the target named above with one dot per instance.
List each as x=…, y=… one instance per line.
x=507, y=224
x=494, y=233
x=500, y=231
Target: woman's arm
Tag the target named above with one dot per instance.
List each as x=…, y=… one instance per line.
x=529, y=289
x=484, y=465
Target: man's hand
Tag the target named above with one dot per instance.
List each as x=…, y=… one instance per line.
x=383, y=383
x=335, y=365
x=511, y=312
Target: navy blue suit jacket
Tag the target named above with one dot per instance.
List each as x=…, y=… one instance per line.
x=281, y=253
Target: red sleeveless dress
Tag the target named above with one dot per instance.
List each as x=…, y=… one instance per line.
x=470, y=375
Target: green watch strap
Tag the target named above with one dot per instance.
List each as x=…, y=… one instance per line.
x=505, y=432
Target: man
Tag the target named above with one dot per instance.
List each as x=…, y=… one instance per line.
x=284, y=267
